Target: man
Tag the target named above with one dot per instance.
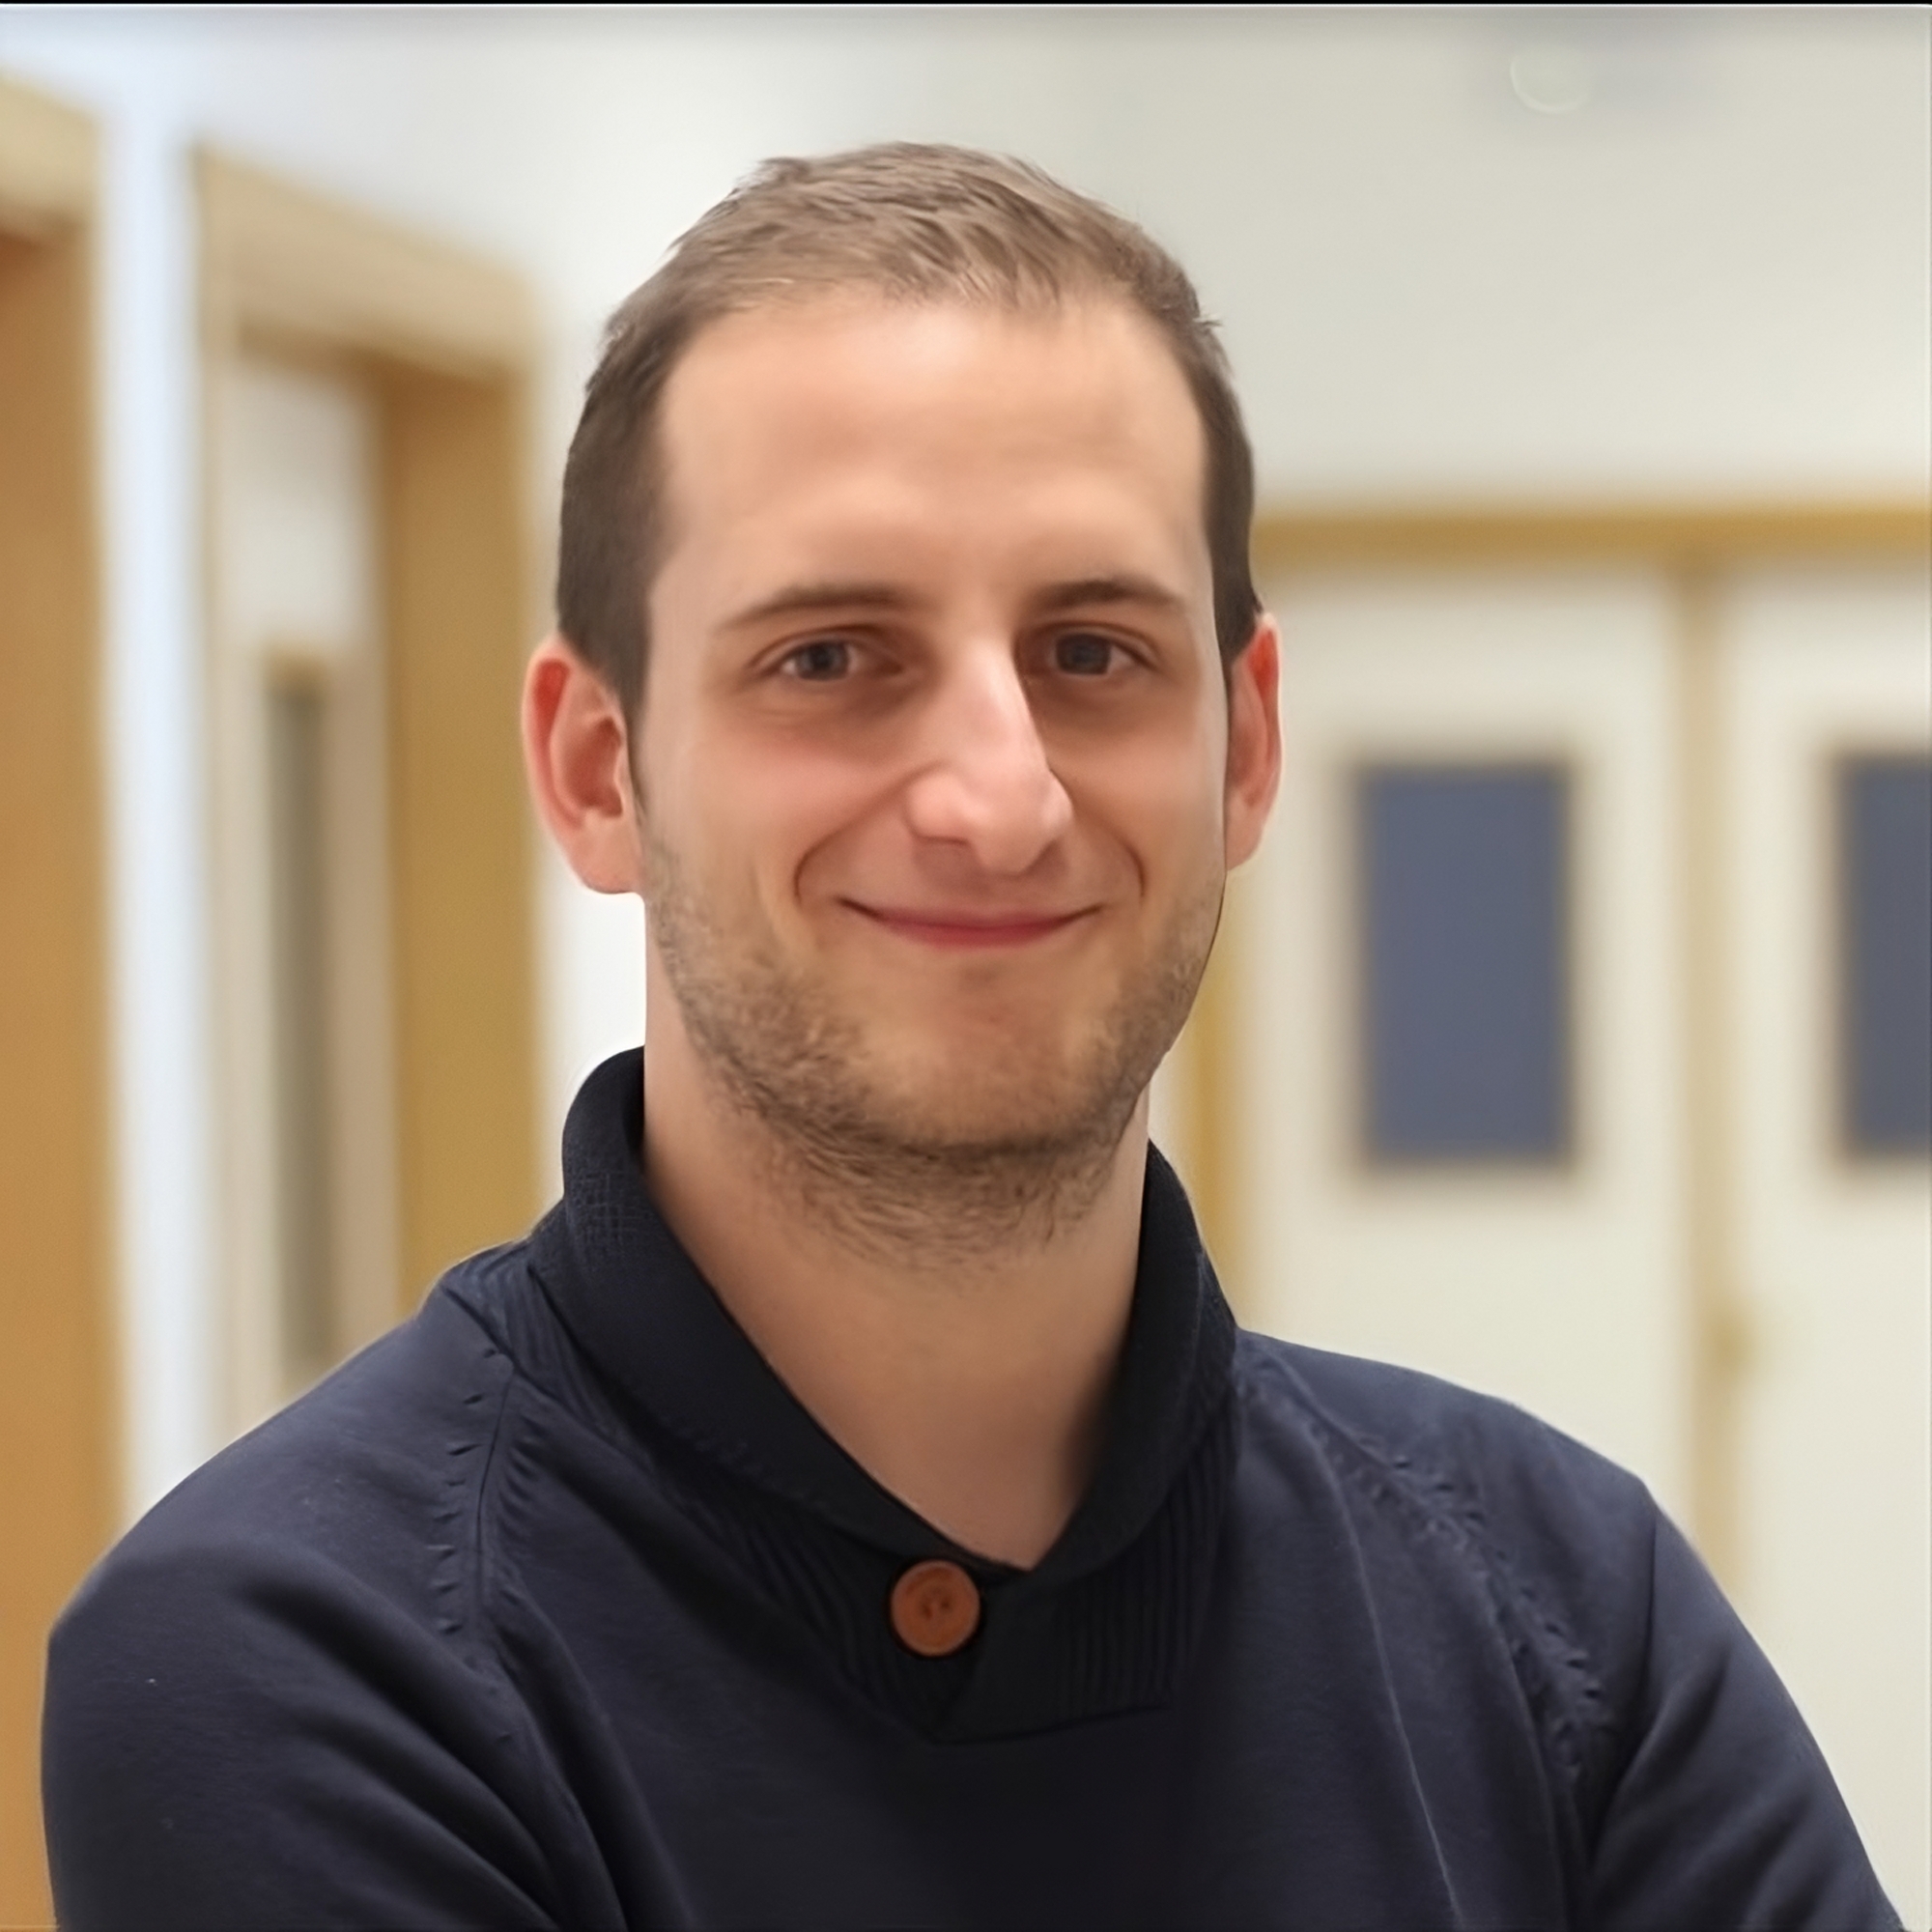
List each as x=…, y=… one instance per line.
x=853, y=1505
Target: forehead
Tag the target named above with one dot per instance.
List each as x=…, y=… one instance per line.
x=855, y=391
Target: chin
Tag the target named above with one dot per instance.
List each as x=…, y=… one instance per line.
x=1010, y=1095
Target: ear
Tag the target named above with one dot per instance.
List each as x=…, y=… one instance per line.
x=577, y=757
x=1253, y=741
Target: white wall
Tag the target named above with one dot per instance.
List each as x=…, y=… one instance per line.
x=1711, y=278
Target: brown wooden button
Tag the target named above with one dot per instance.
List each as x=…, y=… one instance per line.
x=935, y=1608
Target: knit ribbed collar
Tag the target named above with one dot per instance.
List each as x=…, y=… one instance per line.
x=636, y=1306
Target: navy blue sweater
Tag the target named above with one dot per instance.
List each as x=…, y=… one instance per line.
x=554, y=1608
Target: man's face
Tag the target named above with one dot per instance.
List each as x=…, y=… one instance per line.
x=934, y=742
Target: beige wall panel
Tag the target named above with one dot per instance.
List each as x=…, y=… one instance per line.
x=57, y=1381
x=289, y=264
x=46, y=163
x=1661, y=535
x=465, y=1001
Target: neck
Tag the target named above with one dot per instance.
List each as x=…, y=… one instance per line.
x=958, y=1343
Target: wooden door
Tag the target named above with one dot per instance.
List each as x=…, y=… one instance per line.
x=371, y=380
x=1826, y=678
x=1476, y=821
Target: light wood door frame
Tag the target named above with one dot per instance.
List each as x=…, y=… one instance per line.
x=59, y=1370
x=1692, y=547
x=445, y=344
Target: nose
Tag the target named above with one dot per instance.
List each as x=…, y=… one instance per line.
x=985, y=782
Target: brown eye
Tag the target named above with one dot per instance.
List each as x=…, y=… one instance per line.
x=1084, y=654
x=822, y=660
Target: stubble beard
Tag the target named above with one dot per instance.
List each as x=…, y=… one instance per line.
x=884, y=1174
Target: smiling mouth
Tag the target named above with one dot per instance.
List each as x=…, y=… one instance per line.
x=971, y=930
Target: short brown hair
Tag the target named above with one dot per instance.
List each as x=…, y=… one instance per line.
x=916, y=223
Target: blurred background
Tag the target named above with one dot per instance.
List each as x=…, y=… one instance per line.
x=1572, y=1034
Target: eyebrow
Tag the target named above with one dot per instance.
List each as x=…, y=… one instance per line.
x=1124, y=587
x=802, y=600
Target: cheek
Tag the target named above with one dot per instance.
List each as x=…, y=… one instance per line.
x=1161, y=791
x=845, y=830
x=764, y=812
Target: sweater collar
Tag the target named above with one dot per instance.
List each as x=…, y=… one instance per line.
x=636, y=1305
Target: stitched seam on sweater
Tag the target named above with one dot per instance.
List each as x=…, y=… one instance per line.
x=484, y=1650
x=1545, y=1652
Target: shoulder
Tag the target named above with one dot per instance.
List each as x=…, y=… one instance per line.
x=375, y=1443
x=297, y=1632
x=1700, y=1797
x=1431, y=1449
x=357, y=1502
x=1468, y=1514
